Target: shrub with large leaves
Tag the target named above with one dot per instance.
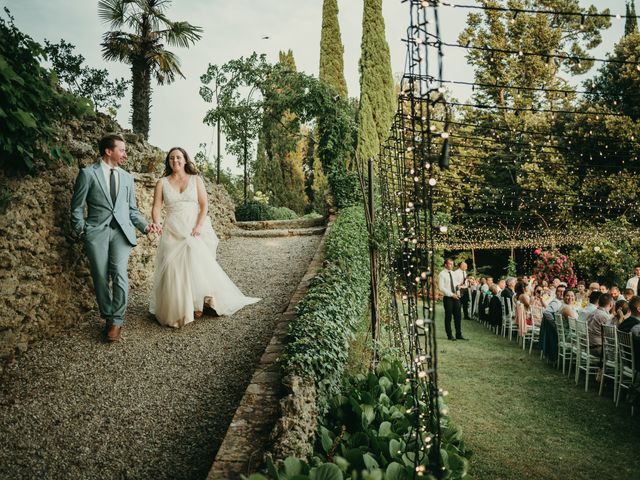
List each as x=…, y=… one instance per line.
x=30, y=104
x=368, y=434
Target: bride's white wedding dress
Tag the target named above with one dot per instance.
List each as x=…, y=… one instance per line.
x=187, y=274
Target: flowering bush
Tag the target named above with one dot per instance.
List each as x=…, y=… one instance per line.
x=553, y=264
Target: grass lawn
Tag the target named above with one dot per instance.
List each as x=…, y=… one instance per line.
x=525, y=420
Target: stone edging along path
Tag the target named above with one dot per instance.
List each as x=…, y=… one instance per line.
x=247, y=437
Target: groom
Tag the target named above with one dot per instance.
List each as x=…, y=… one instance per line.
x=107, y=231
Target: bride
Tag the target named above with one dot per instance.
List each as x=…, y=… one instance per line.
x=187, y=276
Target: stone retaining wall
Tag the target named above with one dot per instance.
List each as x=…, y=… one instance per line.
x=275, y=415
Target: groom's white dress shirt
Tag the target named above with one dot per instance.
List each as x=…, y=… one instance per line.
x=106, y=169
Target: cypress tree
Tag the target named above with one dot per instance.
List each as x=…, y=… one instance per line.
x=279, y=171
x=331, y=49
x=631, y=23
x=377, y=99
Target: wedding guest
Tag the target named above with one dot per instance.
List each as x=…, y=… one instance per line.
x=521, y=295
x=604, y=288
x=591, y=306
x=593, y=286
x=632, y=322
x=620, y=311
x=502, y=284
x=634, y=282
x=581, y=291
x=628, y=294
x=545, y=289
x=451, y=300
x=632, y=325
x=537, y=306
x=615, y=293
x=495, y=308
x=555, y=304
x=461, y=276
x=568, y=308
x=509, y=290
x=600, y=316
x=483, y=285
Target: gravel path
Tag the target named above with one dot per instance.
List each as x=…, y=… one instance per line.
x=157, y=404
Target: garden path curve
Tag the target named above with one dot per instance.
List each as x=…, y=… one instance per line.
x=156, y=405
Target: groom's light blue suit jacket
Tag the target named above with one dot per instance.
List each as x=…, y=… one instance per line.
x=91, y=188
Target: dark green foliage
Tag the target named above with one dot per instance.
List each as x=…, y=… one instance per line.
x=327, y=317
x=617, y=84
x=377, y=99
x=144, y=48
x=254, y=211
x=91, y=83
x=631, y=22
x=283, y=91
x=30, y=103
x=331, y=49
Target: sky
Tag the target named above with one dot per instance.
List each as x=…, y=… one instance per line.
x=234, y=28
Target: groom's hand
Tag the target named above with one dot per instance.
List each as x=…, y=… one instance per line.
x=154, y=228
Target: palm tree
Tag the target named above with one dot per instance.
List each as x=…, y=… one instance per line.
x=144, y=48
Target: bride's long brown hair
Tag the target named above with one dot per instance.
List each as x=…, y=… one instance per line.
x=189, y=166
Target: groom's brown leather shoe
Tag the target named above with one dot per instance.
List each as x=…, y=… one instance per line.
x=113, y=333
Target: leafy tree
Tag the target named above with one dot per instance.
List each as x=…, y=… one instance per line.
x=377, y=99
x=144, y=48
x=214, y=76
x=331, y=49
x=83, y=81
x=512, y=142
x=617, y=84
x=283, y=141
x=275, y=91
x=631, y=22
x=30, y=104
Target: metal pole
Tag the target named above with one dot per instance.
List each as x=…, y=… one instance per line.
x=218, y=155
x=373, y=254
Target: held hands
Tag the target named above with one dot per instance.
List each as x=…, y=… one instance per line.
x=154, y=228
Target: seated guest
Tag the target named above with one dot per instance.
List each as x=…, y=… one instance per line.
x=568, y=308
x=629, y=294
x=537, y=306
x=593, y=305
x=509, y=290
x=620, y=312
x=632, y=325
x=495, y=308
x=555, y=304
x=546, y=291
x=615, y=293
x=600, y=316
x=581, y=291
x=521, y=295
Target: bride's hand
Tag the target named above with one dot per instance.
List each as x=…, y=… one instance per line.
x=196, y=231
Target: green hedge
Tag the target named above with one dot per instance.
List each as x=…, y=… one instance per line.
x=327, y=317
x=255, y=211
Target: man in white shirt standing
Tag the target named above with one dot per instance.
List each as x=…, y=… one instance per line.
x=448, y=284
x=634, y=282
x=465, y=296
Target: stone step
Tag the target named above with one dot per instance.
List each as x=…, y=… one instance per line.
x=289, y=232
x=296, y=223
